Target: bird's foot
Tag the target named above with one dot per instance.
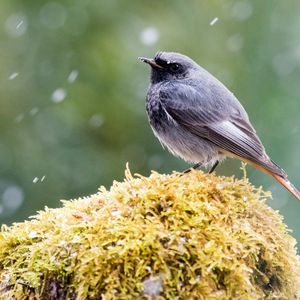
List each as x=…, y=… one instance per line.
x=213, y=167
x=196, y=166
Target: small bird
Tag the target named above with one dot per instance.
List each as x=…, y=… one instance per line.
x=198, y=119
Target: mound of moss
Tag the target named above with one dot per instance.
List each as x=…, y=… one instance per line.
x=178, y=236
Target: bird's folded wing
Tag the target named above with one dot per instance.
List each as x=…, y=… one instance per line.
x=220, y=125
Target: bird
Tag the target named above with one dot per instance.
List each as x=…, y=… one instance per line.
x=197, y=118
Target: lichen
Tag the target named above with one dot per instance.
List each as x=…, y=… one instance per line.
x=177, y=236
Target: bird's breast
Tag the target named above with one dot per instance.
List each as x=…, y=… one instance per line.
x=156, y=113
x=176, y=138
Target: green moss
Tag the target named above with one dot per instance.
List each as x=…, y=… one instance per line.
x=191, y=236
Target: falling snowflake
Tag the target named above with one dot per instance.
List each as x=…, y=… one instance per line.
x=149, y=36
x=58, y=95
x=214, y=21
x=13, y=76
x=73, y=76
x=35, y=180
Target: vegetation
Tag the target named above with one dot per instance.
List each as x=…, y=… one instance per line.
x=177, y=236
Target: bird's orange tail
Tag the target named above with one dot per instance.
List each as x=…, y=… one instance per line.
x=288, y=185
x=281, y=179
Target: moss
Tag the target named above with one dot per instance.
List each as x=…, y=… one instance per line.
x=191, y=236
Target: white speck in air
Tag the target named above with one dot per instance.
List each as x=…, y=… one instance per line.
x=149, y=36
x=13, y=76
x=214, y=21
x=73, y=76
x=35, y=180
x=58, y=95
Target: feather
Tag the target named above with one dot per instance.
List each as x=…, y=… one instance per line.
x=215, y=119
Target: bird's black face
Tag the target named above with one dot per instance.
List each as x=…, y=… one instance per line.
x=168, y=66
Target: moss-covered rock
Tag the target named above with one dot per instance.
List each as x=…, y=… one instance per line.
x=191, y=236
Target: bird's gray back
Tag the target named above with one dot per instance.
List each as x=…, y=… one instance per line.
x=214, y=95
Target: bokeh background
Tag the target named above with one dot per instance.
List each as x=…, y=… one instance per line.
x=72, y=90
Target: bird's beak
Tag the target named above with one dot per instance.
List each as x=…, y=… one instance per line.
x=151, y=62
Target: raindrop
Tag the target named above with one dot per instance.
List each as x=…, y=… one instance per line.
x=58, y=95
x=149, y=36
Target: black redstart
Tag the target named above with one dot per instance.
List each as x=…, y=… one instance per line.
x=198, y=119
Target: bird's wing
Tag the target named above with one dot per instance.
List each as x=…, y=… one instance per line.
x=223, y=124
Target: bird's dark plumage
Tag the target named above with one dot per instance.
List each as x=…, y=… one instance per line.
x=224, y=125
x=199, y=119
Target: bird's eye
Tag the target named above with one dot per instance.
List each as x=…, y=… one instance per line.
x=174, y=68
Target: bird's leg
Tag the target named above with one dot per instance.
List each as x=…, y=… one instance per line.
x=196, y=166
x=214, y=166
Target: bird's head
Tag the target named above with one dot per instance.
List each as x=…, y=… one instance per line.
x=170, y=66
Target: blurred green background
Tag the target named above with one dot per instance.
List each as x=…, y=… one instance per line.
x=72, y=90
